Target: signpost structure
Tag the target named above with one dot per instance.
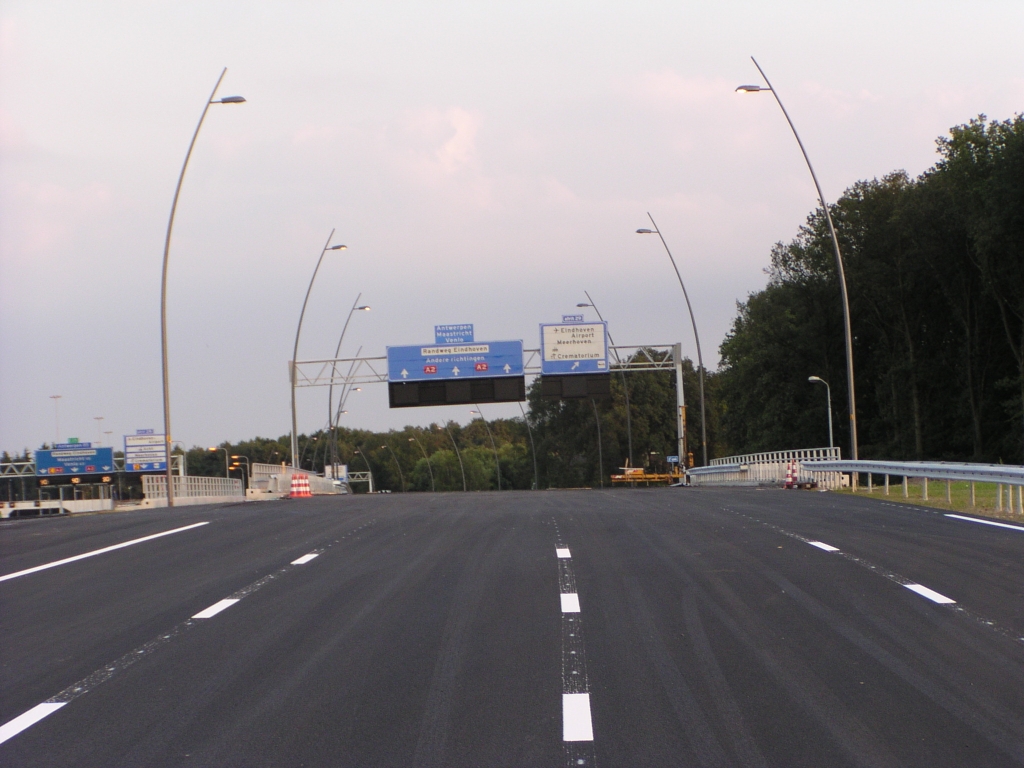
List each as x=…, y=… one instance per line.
x=145, y=452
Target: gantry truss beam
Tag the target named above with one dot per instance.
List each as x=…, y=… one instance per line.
x=374, y=370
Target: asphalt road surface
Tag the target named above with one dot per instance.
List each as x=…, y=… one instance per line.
x=660, y=627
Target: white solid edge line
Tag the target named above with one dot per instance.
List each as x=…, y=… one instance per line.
x=823, y=545
x=12, y=728
x=576, y=722
x=216, y=608
x=570, y=602
x=305, y=558
x=562, y=552
x=987, y=522
x=95, y=552
x=931, y=594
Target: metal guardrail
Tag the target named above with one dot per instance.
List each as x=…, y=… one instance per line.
x=766, y=468
x=1007, y=474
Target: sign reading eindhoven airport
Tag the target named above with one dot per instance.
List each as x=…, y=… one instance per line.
x=74, y=459
x=485, y=359
x=573, y=348
x=145, y=452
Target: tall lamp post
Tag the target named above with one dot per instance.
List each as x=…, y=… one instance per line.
x=397, y=464
x=295, y=351
x=625, y=389
x=835, y=246
x=163, y=280
x=332, y=420
x=429, y=468
x=99, y=429
x=828, y=394
x=497, y=465
x=56, y=416
x=533, y=449
x=696, y=336
x=459, y=455
x=227, y=468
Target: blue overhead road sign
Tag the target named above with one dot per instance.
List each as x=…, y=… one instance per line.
x=484, y=359
x=573, y=348
x=454, y=334
x=75, y=459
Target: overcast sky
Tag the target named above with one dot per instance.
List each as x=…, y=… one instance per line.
x=484, y=162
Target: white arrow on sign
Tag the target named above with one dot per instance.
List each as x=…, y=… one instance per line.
x=507, y=367
x=575, y=365
x=405, y=374
x=455, y=370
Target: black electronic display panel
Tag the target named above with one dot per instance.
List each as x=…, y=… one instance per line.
x=576, y=386
x=410, y=394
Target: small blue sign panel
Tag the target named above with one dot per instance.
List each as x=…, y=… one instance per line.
x=73, y=459
x=572, y=318
x=573, y=348
x=485, y=359
x=453, y=334
x=672, y=459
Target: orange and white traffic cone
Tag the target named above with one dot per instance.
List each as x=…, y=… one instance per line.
x=300, y=487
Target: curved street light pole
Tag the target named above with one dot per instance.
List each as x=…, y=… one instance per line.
x=600, y=451
x=429, y=468
x=839, y=258
x=295, y=351
x=497, y=465
x=625, y=389
x=828, y=394
x=397, y=464
x=696, y=336
x=533, y=449
x=332, y=421
x=461, y=465
x=163, y=280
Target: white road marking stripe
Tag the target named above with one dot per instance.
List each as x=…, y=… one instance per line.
x=929, y=593
x=987, y=522
x=570, y=602
x=95, y=552
x=562, y=552
x=305, y=558
x=13, y=727
x=576, y=724
x=823, y=545
x=216, y=608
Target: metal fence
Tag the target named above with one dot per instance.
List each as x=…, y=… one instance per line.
x=1006, y=476
x=766, y=468
x=190, y=486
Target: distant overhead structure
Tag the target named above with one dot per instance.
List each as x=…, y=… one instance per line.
x=574, y=360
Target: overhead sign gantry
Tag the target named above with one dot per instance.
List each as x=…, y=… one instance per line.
x=574, y=360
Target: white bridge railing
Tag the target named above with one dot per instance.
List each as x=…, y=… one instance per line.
x=191, y=489
x=766, y=468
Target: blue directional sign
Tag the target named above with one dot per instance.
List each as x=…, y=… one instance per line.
x=453, y=334
x=573, y=348
x=74, y=459
x=145, y=451
x=482, y=359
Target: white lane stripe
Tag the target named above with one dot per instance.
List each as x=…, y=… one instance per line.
x=987, y=522
x=823, y=545
x=576, y=723
x=931, y=594
x=95, y=552
x=562, y=552
x=13, y=727
x=570, y=602
x=216, y=608
x=305, y=558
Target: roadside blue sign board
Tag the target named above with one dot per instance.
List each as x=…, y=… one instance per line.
x=672, y=459
x=484, y=359
x=573, y=348
x=145, y=451
x=74, y=459
x=453, y=334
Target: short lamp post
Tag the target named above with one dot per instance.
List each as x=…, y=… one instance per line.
x=828, y=394
x=425, y=456
x=497, y=465
x=458, y=455
x=227, y=467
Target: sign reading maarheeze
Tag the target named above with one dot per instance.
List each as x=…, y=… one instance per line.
x=574, y=348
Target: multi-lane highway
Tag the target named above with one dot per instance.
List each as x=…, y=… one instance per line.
x=690, y=627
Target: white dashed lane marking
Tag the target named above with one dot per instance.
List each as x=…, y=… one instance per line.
x=95, y=552
x=562, y=552
x=987, y=522
x=931, y=594
x=576, y=723
x=305, y=558
x=216, y=608
x=570, y=602
x=21, y=722
x=823, y=545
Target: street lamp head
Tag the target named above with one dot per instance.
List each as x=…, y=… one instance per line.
x=231, y=100
x=212, y=448
x=816, y=378
x=365, y=307
x=338, y=248
x=584, y=305
x=645, y=231
x=477, y=413
x=752, y=88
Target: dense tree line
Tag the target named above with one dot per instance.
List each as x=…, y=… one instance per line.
x=935, y=270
